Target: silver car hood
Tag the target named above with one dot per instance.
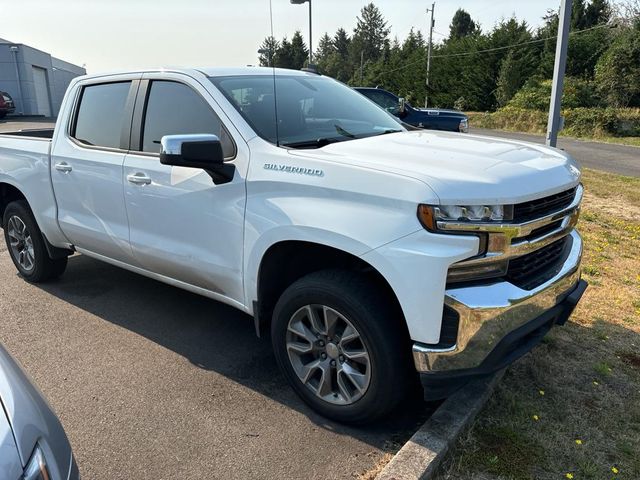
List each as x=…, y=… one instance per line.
x=32, y=419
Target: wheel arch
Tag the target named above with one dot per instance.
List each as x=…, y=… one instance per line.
x=286, y=261
x=9, y=193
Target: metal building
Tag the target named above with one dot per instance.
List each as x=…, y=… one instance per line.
x=35, y=80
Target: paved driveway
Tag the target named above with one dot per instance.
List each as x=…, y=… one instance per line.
x=621, y=159
x=152, y=382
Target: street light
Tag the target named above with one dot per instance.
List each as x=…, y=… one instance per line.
x=14, y=50
x=300, y=2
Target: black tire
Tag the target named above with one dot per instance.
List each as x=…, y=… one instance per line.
x=44, y=267
x=379, y=326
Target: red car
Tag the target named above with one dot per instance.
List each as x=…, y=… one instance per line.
x=6, y=104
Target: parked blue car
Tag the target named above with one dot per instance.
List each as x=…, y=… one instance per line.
x=430, y=118
x=33, y=445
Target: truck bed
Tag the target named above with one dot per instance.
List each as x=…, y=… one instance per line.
x=34, y=133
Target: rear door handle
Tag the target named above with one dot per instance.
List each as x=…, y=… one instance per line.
x=138, y=179
x=63, y=167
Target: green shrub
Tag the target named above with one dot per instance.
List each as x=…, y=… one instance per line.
x=536, y=94
x=595, y=122
x=618, y=70
x=578, y=122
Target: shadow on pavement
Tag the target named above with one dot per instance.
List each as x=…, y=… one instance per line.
x=211, y=335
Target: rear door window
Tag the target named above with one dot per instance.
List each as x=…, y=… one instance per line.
x=384, y=100
x=101, y=114
x=174, y=108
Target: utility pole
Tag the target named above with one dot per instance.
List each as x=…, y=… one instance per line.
x=426, y=97
x=310, y=37
x=564, y=24
x=362, y=68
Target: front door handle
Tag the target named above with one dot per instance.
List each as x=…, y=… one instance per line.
x=138, y=179
x=63, y=167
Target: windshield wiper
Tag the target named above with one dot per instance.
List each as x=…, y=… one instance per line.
x=317, y=143
x=384, y=132
x=343, y=132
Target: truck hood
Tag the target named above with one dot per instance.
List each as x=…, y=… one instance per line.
x=460, y=168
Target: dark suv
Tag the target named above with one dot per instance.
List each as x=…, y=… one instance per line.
x=6, y=104
x=431, y=118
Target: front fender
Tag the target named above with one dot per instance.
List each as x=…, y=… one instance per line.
x=286, y=233
x=416, y=267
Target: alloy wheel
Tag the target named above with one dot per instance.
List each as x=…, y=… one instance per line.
x=21, y=243
x=328, y=354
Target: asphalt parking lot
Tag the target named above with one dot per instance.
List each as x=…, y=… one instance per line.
x=609, y=157
x=154, y=382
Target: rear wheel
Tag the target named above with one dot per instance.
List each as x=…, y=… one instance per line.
x=339, y=343
x=26, y=245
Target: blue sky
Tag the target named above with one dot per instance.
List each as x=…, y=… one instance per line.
x=125, y=34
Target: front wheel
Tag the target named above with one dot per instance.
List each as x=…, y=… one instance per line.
x=341, y=346
x=26, y=245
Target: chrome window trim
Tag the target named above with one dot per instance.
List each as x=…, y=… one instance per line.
x=145, y=101
x=71, y=120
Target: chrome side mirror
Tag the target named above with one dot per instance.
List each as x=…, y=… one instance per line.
x=194, y=151
x=202, y=151
x=402, y=105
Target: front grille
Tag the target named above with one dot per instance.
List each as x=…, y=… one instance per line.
x=535, y=268
x=539, y=232
x=523, y=212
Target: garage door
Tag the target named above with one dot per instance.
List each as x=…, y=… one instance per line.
x=42, y=91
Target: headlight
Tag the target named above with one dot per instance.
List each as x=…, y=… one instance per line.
x=430, y=215
x=464, y=125
x=36, y=469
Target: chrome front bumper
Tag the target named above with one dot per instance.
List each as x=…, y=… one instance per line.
x=490, y=312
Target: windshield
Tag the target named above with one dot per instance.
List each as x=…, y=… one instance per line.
x=312, y=110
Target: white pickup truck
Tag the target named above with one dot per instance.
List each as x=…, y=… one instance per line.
x=373, y=255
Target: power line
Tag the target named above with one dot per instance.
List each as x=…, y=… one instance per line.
x=464, y=54
x=518, y=44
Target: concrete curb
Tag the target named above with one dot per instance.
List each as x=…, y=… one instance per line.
x=420, y=457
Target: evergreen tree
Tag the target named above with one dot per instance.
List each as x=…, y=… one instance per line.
x=284, y=57
x=369, y=36
x=270, y=46
x=578, y=17
x=299, y=51
x=336, y=63
x=325, y=48
x=462, y=25
x=341, y=43
x=488, y=70
x=598, y=12
x=511, y=68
